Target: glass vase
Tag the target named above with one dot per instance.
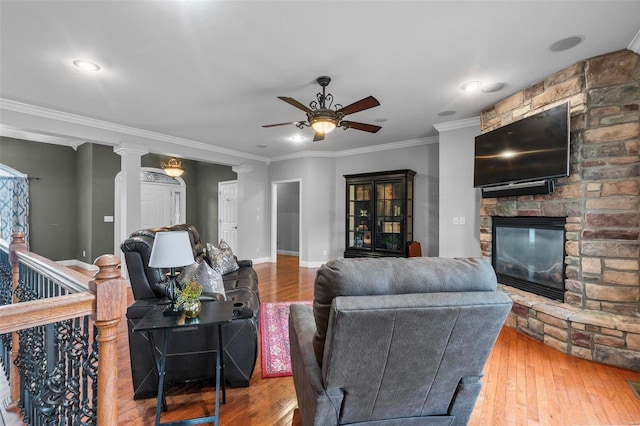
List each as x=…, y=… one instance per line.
x=192, y=308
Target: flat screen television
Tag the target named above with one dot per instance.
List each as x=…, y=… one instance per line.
x=534, y=148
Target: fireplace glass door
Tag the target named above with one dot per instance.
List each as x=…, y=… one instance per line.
x=528, y=253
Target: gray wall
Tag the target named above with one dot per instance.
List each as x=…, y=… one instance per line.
x=458, y=197
x=422, y=159
x=97, y=167
x=317, y=214
x=253, y=214
x=53, y=212
x=84, y=182
x=323, y=196
x=105, y=167
x=207, y=197
x=288, y=219
x=75, y=191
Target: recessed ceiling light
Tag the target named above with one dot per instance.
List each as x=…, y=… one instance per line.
x=492, y=87
x=445, y=113
x=86, y=65
x=471, y=86
x=566, y=43
x=297, y=138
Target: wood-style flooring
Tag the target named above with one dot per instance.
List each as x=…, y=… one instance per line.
x=526, y=383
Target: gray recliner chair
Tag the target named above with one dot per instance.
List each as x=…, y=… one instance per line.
x=394, y=341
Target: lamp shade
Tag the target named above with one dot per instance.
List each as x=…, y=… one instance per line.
x=171, y=249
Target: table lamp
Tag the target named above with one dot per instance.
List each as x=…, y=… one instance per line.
x=171, y=249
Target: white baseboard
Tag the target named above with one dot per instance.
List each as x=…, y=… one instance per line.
x=311, y=264
x=288, y=253
x=261, y=260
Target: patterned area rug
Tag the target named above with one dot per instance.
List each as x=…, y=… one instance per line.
x=274, y=338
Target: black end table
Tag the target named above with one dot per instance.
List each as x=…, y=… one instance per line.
x=213, y=314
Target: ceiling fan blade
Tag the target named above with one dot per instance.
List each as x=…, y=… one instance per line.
x=295, y=103
x=281, y=124
x=318, y=137
x=361, y=105
x=371, y=128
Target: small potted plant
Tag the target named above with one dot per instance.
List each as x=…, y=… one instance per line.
x=188, y=298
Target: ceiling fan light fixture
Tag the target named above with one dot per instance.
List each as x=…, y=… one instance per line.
x=173, y=168
x=323, y=125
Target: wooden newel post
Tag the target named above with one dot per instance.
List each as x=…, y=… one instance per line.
x=111, y=299
x=17, y=244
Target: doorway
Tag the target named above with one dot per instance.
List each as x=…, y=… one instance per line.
x=163, y=201
x=286, y=219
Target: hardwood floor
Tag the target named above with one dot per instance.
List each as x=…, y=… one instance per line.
x=525, y=381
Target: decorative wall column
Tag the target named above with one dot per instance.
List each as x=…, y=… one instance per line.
x=127, y=193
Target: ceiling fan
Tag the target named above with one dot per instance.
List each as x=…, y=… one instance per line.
x=323, y=117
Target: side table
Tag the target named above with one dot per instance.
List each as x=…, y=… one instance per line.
x=213, y=314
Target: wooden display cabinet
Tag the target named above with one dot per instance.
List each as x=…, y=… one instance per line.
x=379, y=213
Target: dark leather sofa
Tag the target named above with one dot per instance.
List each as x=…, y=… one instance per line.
x=190, y=352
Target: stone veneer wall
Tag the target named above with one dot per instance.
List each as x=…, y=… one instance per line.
x=600, y=316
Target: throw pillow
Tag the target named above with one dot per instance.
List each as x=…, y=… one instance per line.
x=202, y=273
x=222, y=258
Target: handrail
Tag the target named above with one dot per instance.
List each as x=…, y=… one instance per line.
x=20, y=316
x=72, y=281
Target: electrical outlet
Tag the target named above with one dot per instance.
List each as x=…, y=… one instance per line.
x=456, y=220
x=462, y=220
x=324, y=252
x=84, y=253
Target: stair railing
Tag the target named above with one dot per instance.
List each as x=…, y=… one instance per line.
x=63, y=330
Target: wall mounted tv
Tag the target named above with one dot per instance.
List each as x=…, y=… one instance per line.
x=535, y=148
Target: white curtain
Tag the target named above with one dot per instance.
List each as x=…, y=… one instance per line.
x=14, y=204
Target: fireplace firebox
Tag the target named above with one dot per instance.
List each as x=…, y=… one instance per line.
x=528, y=253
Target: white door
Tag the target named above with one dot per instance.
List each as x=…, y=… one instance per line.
x=228, y=213
x=156, y=205
x=162, y=199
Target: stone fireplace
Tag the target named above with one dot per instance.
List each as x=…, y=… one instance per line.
x=598, y=314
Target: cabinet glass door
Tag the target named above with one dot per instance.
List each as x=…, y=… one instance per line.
x=359, y=215
x=389, y=211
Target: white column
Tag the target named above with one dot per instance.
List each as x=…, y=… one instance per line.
x=127, y=195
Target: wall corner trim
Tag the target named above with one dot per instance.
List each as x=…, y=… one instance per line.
x=635, y=43
x=458, y=124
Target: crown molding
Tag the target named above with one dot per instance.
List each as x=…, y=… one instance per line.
x=42, y=112
x=359, y=151
x=458, y=124
x=242, y=168
x=129, y=148
x=15, y=133
x=635, y=43
x=305, y=154
x=388, y=146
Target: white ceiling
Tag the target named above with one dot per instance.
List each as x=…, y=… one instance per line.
x=210, y=71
